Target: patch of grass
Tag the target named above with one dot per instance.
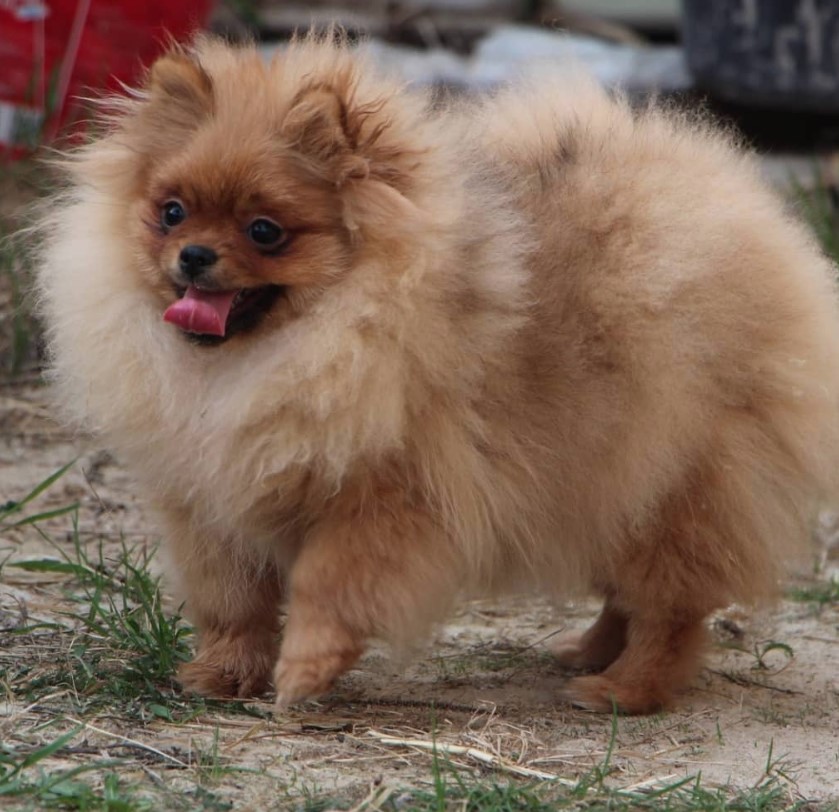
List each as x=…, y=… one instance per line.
x=819, y=206
x=16, y=319
x=492, y=658
x=119, y=645
x=246, y=11
x=23, y=779
x=452, y=791
x=820, y=595
x=452, y=788
x=771, y=715
x=20, y=184
x=27, y=781
x=114, y=652
x=475, y=796
x=209, y=764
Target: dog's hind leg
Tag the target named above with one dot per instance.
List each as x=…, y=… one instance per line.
x=672, y=573
x=662, y=655
x=599, y=646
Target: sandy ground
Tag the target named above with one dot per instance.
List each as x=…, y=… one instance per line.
x=487, y=681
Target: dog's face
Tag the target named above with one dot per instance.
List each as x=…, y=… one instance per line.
x=244, y=209
x=234, y=238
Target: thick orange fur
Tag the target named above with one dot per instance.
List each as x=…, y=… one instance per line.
x=538, y=341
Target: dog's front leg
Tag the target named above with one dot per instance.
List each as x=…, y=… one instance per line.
x=384, y=570
x=234, y=601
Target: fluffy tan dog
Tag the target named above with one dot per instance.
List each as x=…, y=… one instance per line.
x=364, y=353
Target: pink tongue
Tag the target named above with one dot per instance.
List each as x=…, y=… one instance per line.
x=201, y=311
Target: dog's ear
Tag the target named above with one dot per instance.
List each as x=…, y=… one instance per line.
x=317, y=123
x=180, y=92
x=342, y=139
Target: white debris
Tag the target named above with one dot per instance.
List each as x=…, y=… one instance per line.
x=503, y=53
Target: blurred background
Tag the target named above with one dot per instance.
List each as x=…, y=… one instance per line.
x=770, y=68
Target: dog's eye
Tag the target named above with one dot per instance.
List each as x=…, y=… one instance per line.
x=172, y=213
x=266, y=233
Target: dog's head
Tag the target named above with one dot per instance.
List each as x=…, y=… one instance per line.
x=253, y=186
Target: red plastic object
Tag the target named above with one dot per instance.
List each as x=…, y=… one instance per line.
x=53, y=51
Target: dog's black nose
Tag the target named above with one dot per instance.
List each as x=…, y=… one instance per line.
x=195, y=259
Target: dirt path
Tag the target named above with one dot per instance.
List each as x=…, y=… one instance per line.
x=486, y=682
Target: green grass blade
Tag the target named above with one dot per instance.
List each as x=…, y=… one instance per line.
x=16, y=506
x=53, y=565
x=47, y=514
x=48, y=749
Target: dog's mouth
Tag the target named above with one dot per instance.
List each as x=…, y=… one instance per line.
x=212, y=316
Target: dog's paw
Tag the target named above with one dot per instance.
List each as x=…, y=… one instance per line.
x=603, y=695
x=298, y=679
x=233, y=667
x=215, y=680
x=569, y=653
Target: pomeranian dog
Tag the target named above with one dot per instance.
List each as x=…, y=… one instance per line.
x=365, y=352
